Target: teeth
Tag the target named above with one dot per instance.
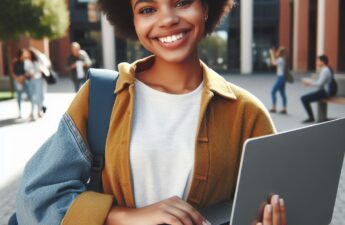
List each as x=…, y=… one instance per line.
x=172, y=38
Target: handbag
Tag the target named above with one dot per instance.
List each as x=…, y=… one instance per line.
x=50, y=76
x=288, y=76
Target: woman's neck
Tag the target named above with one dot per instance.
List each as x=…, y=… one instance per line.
x=176, y=78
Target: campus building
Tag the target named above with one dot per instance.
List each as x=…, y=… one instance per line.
x=306, y=28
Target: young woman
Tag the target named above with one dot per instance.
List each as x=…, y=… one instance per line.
x=175, y=135
x=21, y=83
x=278, y=60
x=34, y=76
x=322, y=84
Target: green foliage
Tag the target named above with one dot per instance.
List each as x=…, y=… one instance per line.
x=36, y=18
x=53, y=19
x=212, y=50
x=15, y=18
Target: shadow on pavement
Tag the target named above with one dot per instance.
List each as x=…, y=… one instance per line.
x=14, y=121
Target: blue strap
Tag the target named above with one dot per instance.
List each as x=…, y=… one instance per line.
x=101, y=102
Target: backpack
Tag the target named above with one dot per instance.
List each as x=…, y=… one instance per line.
x=332, y=86
x=101, y=96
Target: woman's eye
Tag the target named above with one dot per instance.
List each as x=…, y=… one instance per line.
x=146, y=10
x=183, y=3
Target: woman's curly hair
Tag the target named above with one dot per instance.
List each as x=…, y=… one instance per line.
x=120, y=15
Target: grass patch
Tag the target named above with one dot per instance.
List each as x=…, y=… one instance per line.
x=6, y=95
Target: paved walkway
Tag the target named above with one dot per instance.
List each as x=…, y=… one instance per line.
x=19, y=139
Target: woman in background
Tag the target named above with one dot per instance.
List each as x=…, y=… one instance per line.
x=34, y=76
x=278, y=60
x=21, y=83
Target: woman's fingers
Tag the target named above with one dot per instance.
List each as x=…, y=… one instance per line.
x=181, y=215
x=268, y=215
x=283, y=220
x=275, y=210
x=171, y=219
x=194, y=214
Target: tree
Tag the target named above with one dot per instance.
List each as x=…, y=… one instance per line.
x=34, y=18
x=53, y=19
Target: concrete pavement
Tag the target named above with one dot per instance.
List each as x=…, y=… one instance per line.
x=19, y=139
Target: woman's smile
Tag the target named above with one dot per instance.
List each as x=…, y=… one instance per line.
x=175, y=40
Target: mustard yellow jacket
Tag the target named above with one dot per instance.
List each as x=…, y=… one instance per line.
x=228, y=116
x=53, y=190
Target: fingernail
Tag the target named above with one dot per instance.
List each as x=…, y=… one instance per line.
x=206, y=222
x=275, y=199
x=281, y=201
x=269, y=208
x=259, y=224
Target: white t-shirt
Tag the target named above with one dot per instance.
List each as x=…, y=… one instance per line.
x=280, y=66
x=33, y=68
x=324, y=79
x=162, y=143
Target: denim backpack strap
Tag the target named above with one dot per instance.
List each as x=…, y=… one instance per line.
x=101, y=101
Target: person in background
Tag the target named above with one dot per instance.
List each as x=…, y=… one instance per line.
x=322, y=84
x=77, y=64
x=34, y=76
x=20, y=81
x=278, y=60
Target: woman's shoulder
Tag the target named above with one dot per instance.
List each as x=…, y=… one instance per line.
x=247, y=101
x=253, y=110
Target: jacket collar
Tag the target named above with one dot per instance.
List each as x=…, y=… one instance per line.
x=212, y=81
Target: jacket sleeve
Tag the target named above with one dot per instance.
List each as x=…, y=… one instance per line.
x=52, y=190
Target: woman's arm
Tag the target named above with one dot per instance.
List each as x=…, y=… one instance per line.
x=273, y=57
x=323, y=78
x=320, y=82
x=173, y=211
x=53, y=187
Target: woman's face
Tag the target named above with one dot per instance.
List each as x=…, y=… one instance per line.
x=26, y=54
x=170, y=29
x=319, y=63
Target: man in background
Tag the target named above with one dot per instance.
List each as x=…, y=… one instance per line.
x=78, y=63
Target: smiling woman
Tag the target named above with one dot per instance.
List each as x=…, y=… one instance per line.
x=175, y=136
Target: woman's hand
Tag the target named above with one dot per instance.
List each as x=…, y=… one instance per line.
x=173, y=211
x=274, y=212
x=306, y=82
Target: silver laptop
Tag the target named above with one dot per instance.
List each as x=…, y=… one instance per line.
x=303, y=166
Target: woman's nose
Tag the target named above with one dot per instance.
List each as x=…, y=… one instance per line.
x=168, y=18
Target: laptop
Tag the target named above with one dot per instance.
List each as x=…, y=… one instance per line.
x=303, y=166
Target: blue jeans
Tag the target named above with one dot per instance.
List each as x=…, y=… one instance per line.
x=312, y=97
x=279, y=85
x=36, y=89
x=19, y=90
